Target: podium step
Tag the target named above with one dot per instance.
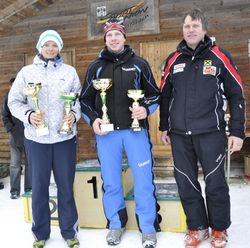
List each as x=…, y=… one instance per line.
x=88, y=192
x=26, y=198
x=164, y=166
x=88, y=197
x=170, y=212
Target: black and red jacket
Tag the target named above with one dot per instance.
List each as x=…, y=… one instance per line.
x=193, y=87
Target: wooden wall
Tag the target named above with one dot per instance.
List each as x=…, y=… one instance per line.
x=229, y=22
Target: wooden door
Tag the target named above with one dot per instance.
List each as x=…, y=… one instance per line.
x=155, y=53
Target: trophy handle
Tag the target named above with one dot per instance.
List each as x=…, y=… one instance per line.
x=35, y=102
x=104, y=107
x=103, y=97
x=67, y=106
x=135, y=104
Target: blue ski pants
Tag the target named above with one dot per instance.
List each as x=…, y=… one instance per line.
x=137, y=146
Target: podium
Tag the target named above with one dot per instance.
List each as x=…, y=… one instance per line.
x=26, y=197
x=88, y=197
x=88, y=192
x=170, y=212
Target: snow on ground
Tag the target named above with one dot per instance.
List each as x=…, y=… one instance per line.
x=15, y=232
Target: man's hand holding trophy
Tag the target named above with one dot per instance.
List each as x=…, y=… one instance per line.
x=103, y=126
x=36, y=118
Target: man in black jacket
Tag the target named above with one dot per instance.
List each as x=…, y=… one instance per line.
x=127, y=71
x=15, y=129
x=197, y=77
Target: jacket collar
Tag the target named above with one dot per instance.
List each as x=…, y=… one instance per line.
x=105, y=54
x=39, y=60
x=200, y=50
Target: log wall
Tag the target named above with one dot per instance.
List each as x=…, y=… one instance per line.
x=229, y=22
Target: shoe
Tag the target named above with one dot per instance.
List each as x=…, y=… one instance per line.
x=73, y=243
x=39, y=244
x=27, y=190
x=114, y=236
x=149, y=240
x=14, y=196
x=219, y=239
x=194, y=237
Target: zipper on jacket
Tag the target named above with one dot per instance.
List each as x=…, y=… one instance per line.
x=191, y=66
x=217, y=112
x=169, y=109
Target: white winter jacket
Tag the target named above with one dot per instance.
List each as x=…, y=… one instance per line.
x=55, y=77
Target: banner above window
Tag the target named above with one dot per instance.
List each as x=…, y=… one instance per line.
x=140, y=16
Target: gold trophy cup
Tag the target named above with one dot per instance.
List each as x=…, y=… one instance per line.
x=104, y=84
x=32, y=89
x=135, y=95
x=68, y=98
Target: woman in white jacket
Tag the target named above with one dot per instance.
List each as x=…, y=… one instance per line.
x=49, y=150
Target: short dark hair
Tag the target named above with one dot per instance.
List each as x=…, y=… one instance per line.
x=12, y=80
x=197, y=14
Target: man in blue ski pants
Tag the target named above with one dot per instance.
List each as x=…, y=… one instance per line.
x=127, y=71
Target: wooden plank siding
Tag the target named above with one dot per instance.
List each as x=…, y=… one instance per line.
x=229, y=22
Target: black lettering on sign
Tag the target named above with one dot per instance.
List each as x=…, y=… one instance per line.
x=94, y=182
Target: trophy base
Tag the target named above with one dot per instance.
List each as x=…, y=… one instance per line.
x=66, y=132
x=42, y=131
x=136, y=129
x=107, y=127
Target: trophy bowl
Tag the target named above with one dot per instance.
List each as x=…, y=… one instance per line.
x=135, y=95
x=71, y=96
x=32, y=89
x=103, y=84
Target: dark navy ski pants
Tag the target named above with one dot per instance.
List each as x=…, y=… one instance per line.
x=60, y=158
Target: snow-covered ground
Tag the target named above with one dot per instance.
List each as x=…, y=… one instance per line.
x=15, y=232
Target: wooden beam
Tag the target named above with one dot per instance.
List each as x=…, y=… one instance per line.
x=14, y=8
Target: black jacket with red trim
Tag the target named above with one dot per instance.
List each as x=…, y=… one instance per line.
x=193, y=87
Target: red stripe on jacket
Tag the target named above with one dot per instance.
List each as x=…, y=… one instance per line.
x=170, y=62
x=227, y=64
